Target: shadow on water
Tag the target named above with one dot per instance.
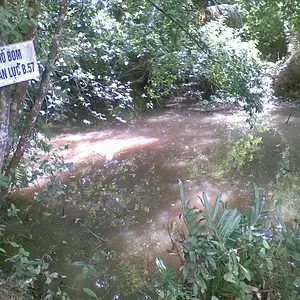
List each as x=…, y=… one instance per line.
x=124, y=190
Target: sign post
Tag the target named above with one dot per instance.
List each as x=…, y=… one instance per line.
x=18, y=63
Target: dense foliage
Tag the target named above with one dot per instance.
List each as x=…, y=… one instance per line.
x=118, y=58
x=235, y=255
x=274, y=25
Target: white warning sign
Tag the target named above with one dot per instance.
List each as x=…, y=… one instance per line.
x=17, y=63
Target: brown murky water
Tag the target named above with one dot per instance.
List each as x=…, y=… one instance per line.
x=124, y=190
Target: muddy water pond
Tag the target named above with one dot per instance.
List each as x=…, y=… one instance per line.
x=124, y=189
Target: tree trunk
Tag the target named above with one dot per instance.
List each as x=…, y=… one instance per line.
x=4, y=123
x=21, y=88
x=42, y=90
x=19, y=93
x=4, y=107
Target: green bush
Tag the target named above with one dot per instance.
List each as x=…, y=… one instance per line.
x=234, y=66
x=233, y=255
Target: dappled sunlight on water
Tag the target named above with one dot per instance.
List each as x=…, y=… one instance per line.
x=92, y=146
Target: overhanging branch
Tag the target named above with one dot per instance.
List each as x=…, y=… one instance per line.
x=178, y=24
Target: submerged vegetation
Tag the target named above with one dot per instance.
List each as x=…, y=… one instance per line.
x=113, y=60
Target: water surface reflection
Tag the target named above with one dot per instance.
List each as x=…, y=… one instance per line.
x=124, y=189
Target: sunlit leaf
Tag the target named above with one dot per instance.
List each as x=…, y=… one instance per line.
x=229, y=277
x=265, y=244
x=160, y=264
x=15, y=245
x=54, y=275
x=246, y=273
x=297, y=282
x=48, y=280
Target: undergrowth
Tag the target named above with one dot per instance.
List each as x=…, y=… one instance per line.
x=232, y=255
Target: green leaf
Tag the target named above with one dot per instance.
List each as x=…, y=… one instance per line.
x=24, y=26
x=262, y=252
x=3, y=181
x=125, y=270
x=297, y=282
x=256, y=193
x=15, y=245
x=160, y=264
x=23, y=252
x=205, y=203
x=90, y=293
x=227, y=223
x=45, y=266
x=216, y=207
x=2, y=250
x=54, y=275
x=265, y=244
x=85, y=272
x=78, y=263
x=270, y=263
x=214, y=298
x=185, y=271
x=48, y=280
x=246, y=273
x=229, y=277
x=212, y=262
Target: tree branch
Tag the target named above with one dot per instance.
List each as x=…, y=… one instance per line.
x=178, y=24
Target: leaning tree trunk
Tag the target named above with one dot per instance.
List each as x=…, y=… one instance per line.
x=42, y=90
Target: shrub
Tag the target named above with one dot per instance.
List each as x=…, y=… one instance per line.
x=233, y=255
x=234, y=66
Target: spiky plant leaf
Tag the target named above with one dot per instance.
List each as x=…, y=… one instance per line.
x=216, y=207
x=226, y=226
x=256, y=215
x=222, y=221
x=279, y=217
x=205, y=203
x=190, y=215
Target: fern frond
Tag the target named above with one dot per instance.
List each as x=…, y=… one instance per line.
x=20, y=176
